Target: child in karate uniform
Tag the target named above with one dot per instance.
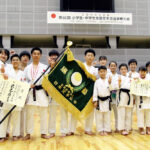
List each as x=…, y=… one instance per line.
x=148, y=69
x=133, y=74
x=53, y=55
x=143, y=107
x=16, y=74
x=101, y=100
x=4, y=56
x=24, y=59
x=89, y=58
x=125, y=101
x=114, y=84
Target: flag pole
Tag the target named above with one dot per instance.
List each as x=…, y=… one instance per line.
x=69, y=43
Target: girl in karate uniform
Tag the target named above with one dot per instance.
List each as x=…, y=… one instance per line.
x=114, y=84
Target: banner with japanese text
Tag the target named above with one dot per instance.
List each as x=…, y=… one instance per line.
x=56, y=17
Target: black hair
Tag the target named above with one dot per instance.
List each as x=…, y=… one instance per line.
x=6, y=51
x=90, y=51
x=53, y=52
x=102, y=67
x=112, y=62
x=147, y=64
x=132, y=61
x=25, y=53
x=102, y=58
x=123, y=65
x=142, y=68
x=14, y=55
x=36, y=48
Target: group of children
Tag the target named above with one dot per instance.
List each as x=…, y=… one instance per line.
x=111, y=92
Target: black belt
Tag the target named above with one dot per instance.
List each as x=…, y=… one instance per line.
x=126, y=91
x=1, y=104
x=141, y=101
x=37, y=87
x=104, y=99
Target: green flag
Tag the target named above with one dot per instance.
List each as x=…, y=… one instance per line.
x=70, y=85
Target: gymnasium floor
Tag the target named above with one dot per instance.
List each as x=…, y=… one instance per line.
x=81, y=141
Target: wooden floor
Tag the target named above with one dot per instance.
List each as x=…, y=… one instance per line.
x=80, y=141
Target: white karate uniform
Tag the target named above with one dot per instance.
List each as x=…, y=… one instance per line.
x=15, y=115
x=8, y=66
x=103, y=115
x=90, y=117
x=23, y=120
x=41, y=100
x=133, y=75
x=143, y=111
x=125, y=110
x=52, y=116
x=115, y=87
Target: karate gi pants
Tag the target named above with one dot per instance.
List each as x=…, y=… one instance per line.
x=103, y=121
x=15, y=118
x=143, y=118
x=72, y=124
x=64, y=121
x=23, y=121
x=30, y=110
x=88, y=123
x=114, y=108
x=52, y=118
x=124, y=118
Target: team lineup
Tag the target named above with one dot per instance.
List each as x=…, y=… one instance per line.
x=111, y=92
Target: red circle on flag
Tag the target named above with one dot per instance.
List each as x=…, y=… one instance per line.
x=53, y=16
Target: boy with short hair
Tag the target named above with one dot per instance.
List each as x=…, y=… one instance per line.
x=133, y=74
x=16, y=74
x=25, y=58
x=101, y=100
x=37, y=97
x=89, y=58
x=53, y=55
x=125, y=101
x=133, y=65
